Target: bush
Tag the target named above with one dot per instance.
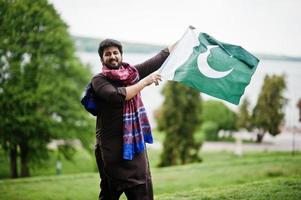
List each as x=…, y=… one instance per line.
x=210, y=130
x=217, y=112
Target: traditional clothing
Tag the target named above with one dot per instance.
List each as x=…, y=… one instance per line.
x=119, y=174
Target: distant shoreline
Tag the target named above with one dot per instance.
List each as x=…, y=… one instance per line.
x=278, y=57
x=87, y=44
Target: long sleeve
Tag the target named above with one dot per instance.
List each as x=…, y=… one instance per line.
x=106, y=91
x=152, y=64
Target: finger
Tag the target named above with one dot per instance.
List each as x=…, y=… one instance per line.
x=154, y=80
x=157, y=80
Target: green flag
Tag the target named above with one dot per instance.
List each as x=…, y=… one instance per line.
x=218, y=69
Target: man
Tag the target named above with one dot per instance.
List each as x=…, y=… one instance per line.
x=122, y=127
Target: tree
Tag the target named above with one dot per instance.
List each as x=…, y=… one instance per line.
x=268, y=114
x=217, y=112
x=244, y=116
x=41, y=81
x=299, y=107
x=210, y=130
x=179, y=119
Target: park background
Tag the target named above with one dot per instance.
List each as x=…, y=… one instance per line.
x=229, y=169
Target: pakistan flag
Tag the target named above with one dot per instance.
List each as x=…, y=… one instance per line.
x=218, y=69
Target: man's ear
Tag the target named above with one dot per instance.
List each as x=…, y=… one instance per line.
x=102, y=63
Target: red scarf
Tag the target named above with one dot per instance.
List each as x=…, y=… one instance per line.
x=126, y=74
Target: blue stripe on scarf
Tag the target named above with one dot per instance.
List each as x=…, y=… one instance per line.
x=136, y=133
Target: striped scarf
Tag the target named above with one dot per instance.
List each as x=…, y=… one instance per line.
x=136, y=127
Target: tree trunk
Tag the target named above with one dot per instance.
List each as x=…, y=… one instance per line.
x=184, y=157
x=168, y=156
x=13, y=154
x=24, y=160
x=259, y=137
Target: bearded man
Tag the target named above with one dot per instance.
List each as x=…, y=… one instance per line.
x=122, y=126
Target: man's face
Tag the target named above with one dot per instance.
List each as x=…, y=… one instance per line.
x=111, y=57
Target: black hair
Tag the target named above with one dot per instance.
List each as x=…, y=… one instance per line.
x=109, y=43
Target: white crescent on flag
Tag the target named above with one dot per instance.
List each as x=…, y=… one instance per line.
x=204, y=67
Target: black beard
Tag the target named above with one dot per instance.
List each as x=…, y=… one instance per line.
x=113, y=66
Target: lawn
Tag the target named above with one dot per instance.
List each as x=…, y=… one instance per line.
x=220, y=176
x=82, y=161
x=275, y=189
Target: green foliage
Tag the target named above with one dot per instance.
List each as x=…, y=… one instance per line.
x=199, y=136
x=179, y=119
x=41, y=81
x=268, y=114
x=244, y=116
x=210, y=130
x=219, y=113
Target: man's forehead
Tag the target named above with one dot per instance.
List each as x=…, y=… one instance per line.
x=111, y=48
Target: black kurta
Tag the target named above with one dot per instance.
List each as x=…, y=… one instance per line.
x=109, y=125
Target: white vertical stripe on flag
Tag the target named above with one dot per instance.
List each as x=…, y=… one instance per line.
x=180, y=54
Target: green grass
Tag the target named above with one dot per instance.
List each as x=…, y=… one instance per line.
x=65, y=187
x=221, y=169
x=82, y=162
x=275, y=189
x=220, y=176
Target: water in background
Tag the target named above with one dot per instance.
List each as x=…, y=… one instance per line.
x=152, y=97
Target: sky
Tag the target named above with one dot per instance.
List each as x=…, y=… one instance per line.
x=260, y=26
